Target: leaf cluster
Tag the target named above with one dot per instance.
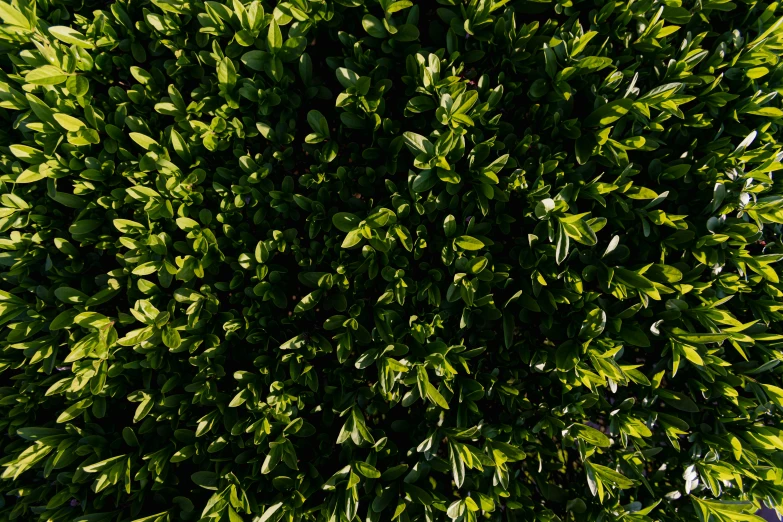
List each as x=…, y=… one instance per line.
x=342, y=260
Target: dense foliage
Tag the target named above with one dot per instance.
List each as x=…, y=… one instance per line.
x=348, y=260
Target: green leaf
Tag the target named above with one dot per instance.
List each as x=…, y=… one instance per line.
x=373, y=26
x=70, y=295
x=70, y=36
x=435, y=396
x=367, y=470
x=594, y=324
x=46, y=75
x=425, y=181
x=270, y=512
x=318, y=123
x=69, y=123
x=399, y=5
x=448, y=176
x=63, y=320
x=562, y=244
x=227, y=75
x=345, y=221
x=406, y=33
x=511, y=452
x=180, y=146
x=457, y=465
x=591, y=64
x=590, y=435
x=775, y=394
x=678, y=400
x=757, y=72
x=73, y=411
x=293, y=48
x=508, y=329
x=419, y=104
x=634, y=335
x=144, y=141
x=353, y=121
x=274, y=37
x=584, y=148
x=352, y=239
x=274, y=68
x=567, y=356
x=450, y=225
x=11, y=15
x=701, y=338
x=255, y=60
x=611, y=476
x=608, y=113
x=347, y=77
x=127, y=226
x=308, y=302
x=417, y=143
x=469, y=243
x=28, y=154
x=205, y=479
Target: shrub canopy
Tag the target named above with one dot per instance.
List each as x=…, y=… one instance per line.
x=346, y=260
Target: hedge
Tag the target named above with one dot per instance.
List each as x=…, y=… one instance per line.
x=376, y=260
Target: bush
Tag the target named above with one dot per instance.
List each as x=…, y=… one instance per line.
x=336, y=260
